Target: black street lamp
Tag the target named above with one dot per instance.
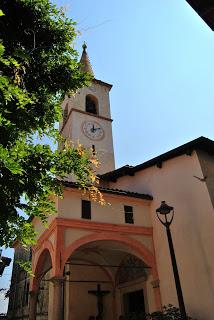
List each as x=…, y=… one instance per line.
x=165, y=214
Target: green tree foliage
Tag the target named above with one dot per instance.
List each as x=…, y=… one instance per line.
x=169, y=313
x=38, y=66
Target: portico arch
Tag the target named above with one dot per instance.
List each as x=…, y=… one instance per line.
x=140, y=250
x=76, y=254
x=42, y=260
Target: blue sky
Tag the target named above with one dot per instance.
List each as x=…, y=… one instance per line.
x=158, y=54
x=159, y=57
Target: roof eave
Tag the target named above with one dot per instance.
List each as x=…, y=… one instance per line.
x=200, y=143
x=204, y=10
x=102, y=83
x=118, y=192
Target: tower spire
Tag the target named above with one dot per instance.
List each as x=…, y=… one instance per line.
x=85, y=62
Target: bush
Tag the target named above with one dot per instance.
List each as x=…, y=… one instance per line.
x=169, y=313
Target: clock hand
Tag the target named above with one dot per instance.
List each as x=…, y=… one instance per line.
x=93, y=129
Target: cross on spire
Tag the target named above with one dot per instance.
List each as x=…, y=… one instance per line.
x=84, y=46
x=85, y=61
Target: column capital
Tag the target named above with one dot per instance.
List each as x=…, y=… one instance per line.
x=155, y=283
x=57, y=281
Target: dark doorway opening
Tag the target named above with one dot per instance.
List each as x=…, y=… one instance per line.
x=134, y=302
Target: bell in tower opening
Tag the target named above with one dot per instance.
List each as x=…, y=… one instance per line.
x=91, y=104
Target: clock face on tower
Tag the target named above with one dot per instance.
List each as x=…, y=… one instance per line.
x=93, y=130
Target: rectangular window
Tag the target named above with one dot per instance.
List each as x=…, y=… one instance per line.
x=86, y=209
x=128, y=210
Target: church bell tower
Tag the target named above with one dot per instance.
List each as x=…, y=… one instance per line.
x=87, y=118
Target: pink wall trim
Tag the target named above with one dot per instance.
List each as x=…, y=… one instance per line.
x=101, y=231
x=45, y=235
x=132, y=243
x=59, y=248
x=99, y=226
x=91, y=225
x=146, y=255
x=46, y=248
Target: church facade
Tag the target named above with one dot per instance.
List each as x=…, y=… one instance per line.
x=101, y=262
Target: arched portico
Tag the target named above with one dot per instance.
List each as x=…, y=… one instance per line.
x=42, y=267
x=101, y=248
x=69, y=242
x=139, y=249
x=42, y=260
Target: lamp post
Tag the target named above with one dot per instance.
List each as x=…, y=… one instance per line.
x=165, y=214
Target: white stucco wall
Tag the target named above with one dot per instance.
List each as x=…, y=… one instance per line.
x=112, y=212
x=79, y=303
x=192, y=230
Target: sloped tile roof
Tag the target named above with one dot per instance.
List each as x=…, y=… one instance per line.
x=113, y=191
x=200, y=143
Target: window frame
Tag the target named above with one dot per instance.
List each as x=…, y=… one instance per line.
x=129, y=214
x=86, y=209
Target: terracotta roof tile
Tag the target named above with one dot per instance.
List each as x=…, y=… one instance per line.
x=113, y=191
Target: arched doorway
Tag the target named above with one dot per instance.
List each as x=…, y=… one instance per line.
x=43, y=297
x=103, y=278
x=41, y=284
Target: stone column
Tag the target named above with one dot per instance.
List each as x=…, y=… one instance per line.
x=32, y=304
x=57, y=303
x=118, y=303
x=114, y=303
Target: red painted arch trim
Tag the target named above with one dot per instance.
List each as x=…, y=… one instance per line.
x=137, y=246
x=38, y=262
x=93, y=226
x=47, y=245
x=104, y=226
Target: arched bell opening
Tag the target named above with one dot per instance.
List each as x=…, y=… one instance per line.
x=106, y=277
x=91, y=104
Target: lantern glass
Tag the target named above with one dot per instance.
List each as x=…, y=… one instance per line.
x=164, y=208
